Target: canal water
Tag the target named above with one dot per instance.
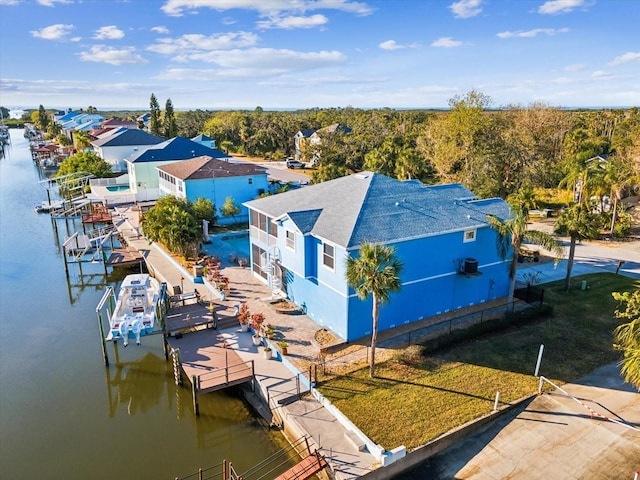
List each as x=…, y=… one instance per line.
x=63, y=414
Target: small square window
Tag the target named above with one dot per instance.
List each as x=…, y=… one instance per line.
x=469, y=236
x=250, y=181
x=291, y=240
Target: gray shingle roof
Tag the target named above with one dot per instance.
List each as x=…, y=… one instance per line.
x=178, y=148
x=370, y=207
x=128, y=137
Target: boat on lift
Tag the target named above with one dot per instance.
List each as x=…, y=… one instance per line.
x=135, y=312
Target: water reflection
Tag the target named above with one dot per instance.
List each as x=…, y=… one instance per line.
x=136, y=385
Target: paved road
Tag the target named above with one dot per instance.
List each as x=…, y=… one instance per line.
x=590, y=257
x=552, y=437
x=279, y=171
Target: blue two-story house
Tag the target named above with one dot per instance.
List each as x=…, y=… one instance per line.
x=300, y=241
x=216, y=180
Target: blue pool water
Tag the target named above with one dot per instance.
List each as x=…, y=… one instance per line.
x=227, y=246
x=118, y=188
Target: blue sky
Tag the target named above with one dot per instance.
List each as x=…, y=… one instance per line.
x=279, y=54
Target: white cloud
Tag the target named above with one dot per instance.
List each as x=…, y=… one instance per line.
x=195, y=42
x=161, y=29
x=532, y=33
x=109, y=32
x=253, y=62
x=466, y=8
x=626, y=58
x=53, y=32
x=9, y=2
x=267, y=7
x=51, y=3
x=575, y=67
x=554, y=7
x=446, y=42
x=112, y=56
x=600, y=74
x=392, y=45
x=289, y=23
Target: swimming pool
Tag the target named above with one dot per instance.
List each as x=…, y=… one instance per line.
x=118, y=188
x=228, y=246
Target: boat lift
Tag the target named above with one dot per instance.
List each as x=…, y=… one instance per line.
x=78, y=246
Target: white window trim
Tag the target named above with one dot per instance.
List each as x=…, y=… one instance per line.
x=473, y=236
x=288, y=239
x=333, y=269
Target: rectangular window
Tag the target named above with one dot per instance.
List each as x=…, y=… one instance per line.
x=328, y=254
x=250, y=180
x=291, y=240
x=469, y=236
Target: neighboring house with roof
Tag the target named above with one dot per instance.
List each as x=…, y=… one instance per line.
x=205, y=140
x=300, y=241
x=142, y=166
x=307, y=141
x=143, y=120
x=116, y=146
x=206, y=177
x=117, y=123
x=79, y=122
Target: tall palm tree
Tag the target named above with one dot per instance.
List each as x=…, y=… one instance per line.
x=619, y=175
x=578, y=223
x=513, y=233
x=375, y=272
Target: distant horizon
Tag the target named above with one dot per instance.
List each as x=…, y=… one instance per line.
x=139, y=110
x=368, y=54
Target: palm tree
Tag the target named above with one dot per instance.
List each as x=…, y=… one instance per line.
x=627, y=335
x=578, y=223
x=619, y=175
x=375, y=272
x=82, y=140
x=513, y=233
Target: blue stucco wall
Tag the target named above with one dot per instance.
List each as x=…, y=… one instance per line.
x=431, y=282
x=217, y=190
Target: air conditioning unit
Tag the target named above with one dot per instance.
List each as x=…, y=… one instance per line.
x=470, y=265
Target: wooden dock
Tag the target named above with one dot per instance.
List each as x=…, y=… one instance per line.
x=124, y=257
x=205, y=358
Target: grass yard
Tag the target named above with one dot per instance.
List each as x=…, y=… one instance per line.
x=417, y=396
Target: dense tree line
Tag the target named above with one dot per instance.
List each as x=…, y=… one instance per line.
x=494, y=152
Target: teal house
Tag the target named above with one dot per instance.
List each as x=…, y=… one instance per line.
x=300, y=241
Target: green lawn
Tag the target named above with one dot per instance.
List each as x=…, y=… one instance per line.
x=416, y=397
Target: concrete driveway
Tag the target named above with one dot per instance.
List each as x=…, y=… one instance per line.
x=590, y=257
x=553, y=437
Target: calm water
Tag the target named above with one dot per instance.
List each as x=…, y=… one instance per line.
x=63, y=414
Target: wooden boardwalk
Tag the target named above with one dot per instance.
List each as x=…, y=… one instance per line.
x=204, y=356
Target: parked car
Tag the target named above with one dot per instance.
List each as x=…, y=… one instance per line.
x=293, y=163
